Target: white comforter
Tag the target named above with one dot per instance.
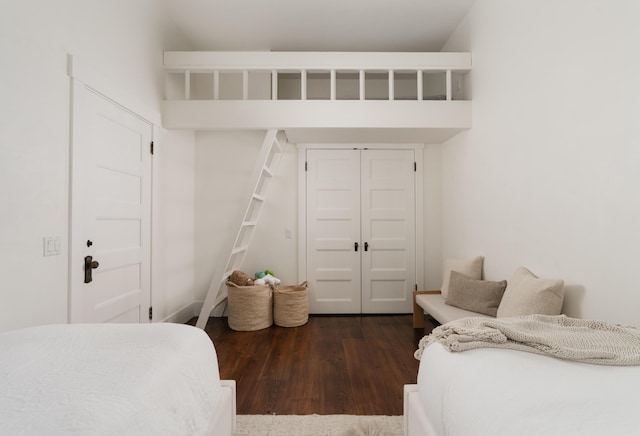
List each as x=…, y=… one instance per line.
x=497, y=392
x=107, y=379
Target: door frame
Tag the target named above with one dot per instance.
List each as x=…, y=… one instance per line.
x=82, y=75
x=419, y=200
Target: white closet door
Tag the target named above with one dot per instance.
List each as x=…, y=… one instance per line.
x=333, y=229
x=388, y=231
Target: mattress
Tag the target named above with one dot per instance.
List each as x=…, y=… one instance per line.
x=107, y=379
x=505, y=392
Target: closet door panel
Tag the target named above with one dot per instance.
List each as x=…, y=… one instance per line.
x=388, y=230
x=333, y=227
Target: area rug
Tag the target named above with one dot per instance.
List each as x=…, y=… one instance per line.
x=318, y=425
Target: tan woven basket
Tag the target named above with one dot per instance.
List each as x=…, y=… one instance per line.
x=249, y=307
x=291, y=305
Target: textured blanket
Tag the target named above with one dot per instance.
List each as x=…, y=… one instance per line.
x=580, y=340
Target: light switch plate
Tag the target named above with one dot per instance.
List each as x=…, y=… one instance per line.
x=52, y=245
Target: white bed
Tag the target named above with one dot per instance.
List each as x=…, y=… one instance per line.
x=112, y=379
x=496, y=392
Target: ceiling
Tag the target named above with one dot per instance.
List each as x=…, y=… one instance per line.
x=317, y=25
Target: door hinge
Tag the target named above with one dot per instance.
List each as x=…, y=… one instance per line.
x=415, y=167
x=416, y=288
x=305, y=166
x=151, y=147
x=150, y=313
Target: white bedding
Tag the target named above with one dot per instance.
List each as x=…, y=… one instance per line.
x=107, y=379
x=497, y=392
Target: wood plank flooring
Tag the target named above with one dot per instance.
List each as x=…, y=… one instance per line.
x=332, y=365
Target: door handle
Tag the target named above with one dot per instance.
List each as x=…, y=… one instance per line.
x=89, y=265
x=355, y=246
x=366, y=246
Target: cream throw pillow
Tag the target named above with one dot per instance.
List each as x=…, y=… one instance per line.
x=469, y=267
x=526, y=294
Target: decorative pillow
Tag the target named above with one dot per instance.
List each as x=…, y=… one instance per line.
x=526, y=294
x=480, y=296
x=471, y=268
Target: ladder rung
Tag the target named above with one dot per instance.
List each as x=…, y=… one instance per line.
x=268, y=171
x=277, y=143
x=249, y=224
x=219, y=299
x=226, y=276
x=258, y=197
x=239, y=250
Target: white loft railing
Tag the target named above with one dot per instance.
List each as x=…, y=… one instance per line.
x=339, y=75
x=320, y=96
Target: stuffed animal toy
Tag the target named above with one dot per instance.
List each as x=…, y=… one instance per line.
x=241, y=279
x=261, y=274
x=269, y=279
x=266, y=277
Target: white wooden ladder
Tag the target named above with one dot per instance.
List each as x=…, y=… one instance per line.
x=266, y=167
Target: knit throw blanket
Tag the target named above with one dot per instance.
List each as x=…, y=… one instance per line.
x=567, y=338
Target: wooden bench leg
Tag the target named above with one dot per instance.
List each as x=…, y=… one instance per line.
x=418, y=314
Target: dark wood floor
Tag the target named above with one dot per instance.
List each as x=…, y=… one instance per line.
x=332, y=365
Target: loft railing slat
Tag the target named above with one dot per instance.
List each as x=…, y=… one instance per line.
x=187, y=85
x=303, y=85
x=274, y=84
x=216, y=85
x=245, y=84
x=333, y=84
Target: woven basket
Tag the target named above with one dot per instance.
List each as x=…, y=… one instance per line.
x=291, y=305
x=249, y=307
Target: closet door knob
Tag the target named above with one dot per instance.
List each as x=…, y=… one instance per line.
x=355, y=246
x=366, y=246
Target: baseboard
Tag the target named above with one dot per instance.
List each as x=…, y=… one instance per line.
x=183, y=315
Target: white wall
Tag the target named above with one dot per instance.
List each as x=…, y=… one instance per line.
x=271, y=248
x=432, y=216
x=173, y=263
x=123, y=40
x=220, y=180
x=549, y=175
x=224, y=163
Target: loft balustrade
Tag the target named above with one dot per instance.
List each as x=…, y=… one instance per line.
x=317, y=90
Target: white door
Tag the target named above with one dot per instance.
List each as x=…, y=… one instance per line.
x=388, y=231
x=333, y=229
x=110, y=211
x=361, y=249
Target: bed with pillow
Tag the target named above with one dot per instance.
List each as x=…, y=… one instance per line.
x=112, y=379
x=505, y=391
